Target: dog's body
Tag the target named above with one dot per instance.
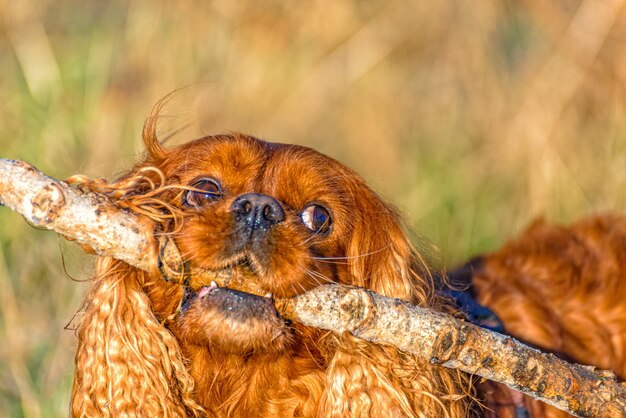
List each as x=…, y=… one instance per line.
x=289, y=218
x=563, y=290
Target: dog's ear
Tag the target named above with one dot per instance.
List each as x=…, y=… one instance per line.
x=371, y=380
x=381, y=255
x=365, y=379
x=127, y=363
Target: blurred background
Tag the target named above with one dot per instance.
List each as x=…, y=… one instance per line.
x=473, y=117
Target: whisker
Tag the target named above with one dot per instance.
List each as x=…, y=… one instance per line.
x=315, y=279
x=315, y=235
x=353, y=256
x=293, y=288
x=302, y=287
x=319, y=275
x=331, y=261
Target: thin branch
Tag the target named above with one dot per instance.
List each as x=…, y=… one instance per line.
x=442, y=339
x=87, y=218
x=433, y=336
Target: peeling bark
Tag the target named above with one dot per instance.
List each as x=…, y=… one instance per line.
x=438, y=338
x=441, y=339
x=87, y=218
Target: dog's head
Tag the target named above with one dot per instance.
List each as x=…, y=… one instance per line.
x=284, y=217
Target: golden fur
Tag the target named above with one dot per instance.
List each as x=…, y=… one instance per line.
x=140, y=354
x=151, y=345
x=563, y=290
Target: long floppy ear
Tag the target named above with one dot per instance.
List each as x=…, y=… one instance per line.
x=127, y=363
x=365, y=379
x=381, y=256
x=370, y=380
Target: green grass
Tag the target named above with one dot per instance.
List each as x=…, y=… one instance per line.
x=450, y=110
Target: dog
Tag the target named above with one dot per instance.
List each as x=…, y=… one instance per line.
x=288, y=218
x=559, y=289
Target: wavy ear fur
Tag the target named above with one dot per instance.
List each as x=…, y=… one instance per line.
x=381, y=255
x=364, y=379
x=127, y=363
x=368, y=380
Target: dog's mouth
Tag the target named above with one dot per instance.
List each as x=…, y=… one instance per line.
x=233, y=304
x=240, y=273
x=232, y=320
x=234, y=292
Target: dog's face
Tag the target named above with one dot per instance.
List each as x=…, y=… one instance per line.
x=274, y=209
x=283, y=216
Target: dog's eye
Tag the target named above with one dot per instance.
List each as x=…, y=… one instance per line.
x=202, y=192
x=316, y=218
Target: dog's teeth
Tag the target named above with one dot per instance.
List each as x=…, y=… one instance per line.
x=268, y=295
x=203, y=291
x=213, y=284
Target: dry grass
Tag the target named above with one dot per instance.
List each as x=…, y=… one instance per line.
x=474, y=117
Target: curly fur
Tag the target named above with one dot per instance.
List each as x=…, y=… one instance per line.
x=128, y=364
x=561, y=289
x=151, y=345
x=140, y=354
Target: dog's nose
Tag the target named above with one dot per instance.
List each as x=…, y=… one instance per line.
x=257, y=212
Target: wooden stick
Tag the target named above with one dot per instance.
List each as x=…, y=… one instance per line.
x=87, y=218
x=436, y=337
x=442, y=339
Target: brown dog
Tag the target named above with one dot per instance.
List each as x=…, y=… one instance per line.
x=563, y=290
x=289, y=219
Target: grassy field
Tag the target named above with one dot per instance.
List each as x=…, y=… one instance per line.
x=473, y=117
